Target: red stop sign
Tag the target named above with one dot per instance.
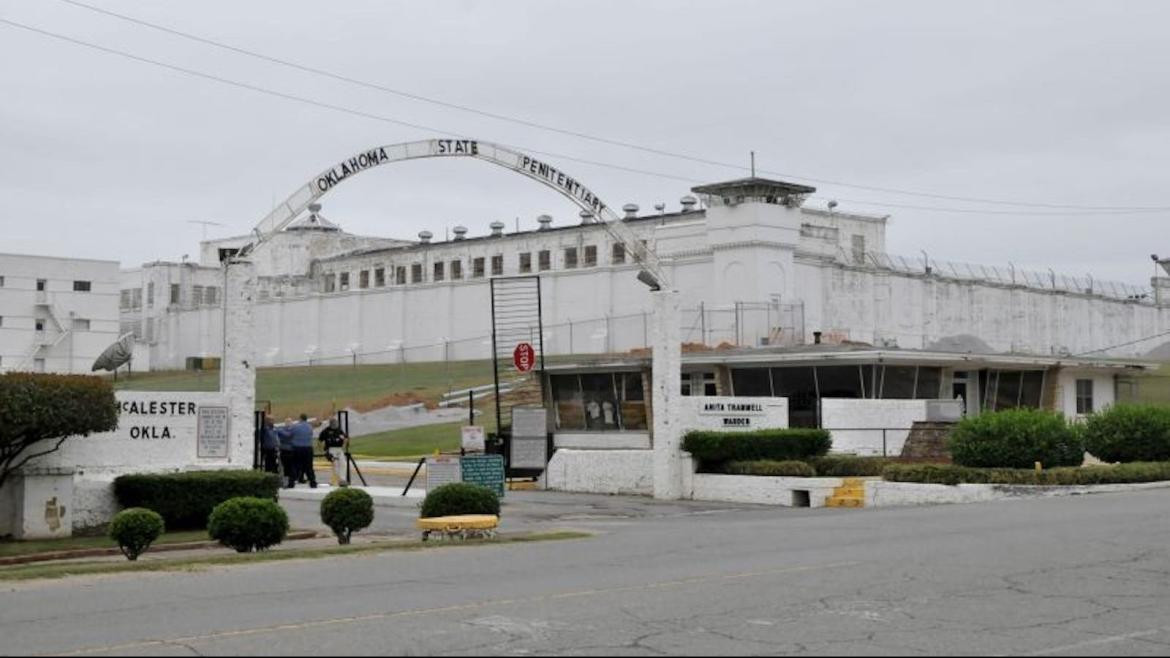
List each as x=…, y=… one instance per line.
x=524, y=357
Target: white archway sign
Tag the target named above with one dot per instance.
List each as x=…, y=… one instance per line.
x=526, y=165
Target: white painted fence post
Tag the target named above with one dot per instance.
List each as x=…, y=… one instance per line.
x=667, y=366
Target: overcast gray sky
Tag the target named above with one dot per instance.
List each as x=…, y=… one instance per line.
x=1063, y=103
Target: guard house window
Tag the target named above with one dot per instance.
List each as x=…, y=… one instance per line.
x=600, y=402
x=439, y=274
x=477, y=268
x=364, y=279
x=174, y=293
x=330, y=283
x=526, y=262
x=400, y=275
x=544, y=259
x=81, y=286
x=344, y=281
x=497, y=265
x=456, y=269
x=619, y=253
x=570, y=258
x=1084, y=396
x=698, y=383
x=380, y=277
x=590, y=255
x=416, y=273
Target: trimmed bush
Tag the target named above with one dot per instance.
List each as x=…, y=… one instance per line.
x=1129, y=433
x=185, y=500
x=347, y=511
x=848, y=466
x=248, y=524
x=771, y=468
x=135, y=529
x=947, y=474
x=456, y=498
x=1016, y=438
x=772, y=444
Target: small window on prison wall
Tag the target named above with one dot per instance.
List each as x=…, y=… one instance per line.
x=416, y=275
x=150, y=295
x=526, y=262
x=364, y=279
x=1084, y=396
x=380, y=277
x=136, y=298
x=80, y=324
x=343, y=283
x=619, y=253
x=590, y=255
x=124, y=300
x=858, y=248
x=497, y=265
x=329, y=283
x=196, y=295
x=570, y=258
x=477, y=268
x=174, y=293
x=400, y=275
x=456, y=270
x=545, y=260
x=438, y=274
x=81, y=286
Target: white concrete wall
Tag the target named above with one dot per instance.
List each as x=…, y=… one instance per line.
x=601, y=471
x=894, y=415
x=602, y=440
x=761, y=490
x=1104, y=391
x=64, y=312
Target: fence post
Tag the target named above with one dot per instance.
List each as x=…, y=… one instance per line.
x=883, y=442
x=702, y=324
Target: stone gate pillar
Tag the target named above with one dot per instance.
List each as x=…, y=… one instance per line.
x=667, y=364
x=238, y=370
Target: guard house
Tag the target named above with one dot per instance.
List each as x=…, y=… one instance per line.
x=868, y=397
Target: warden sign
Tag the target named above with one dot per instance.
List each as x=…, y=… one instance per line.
x=734, y=413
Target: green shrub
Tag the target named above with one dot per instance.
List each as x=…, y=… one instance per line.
x=186, y=499
x=1129, y=433
x=848, y=466
x=458, y=498
x=773, y=444
x=948, y=474
x=790, y=468
x=1016, y=438
x=347, y=511
x=248, y=524
x=135, y=529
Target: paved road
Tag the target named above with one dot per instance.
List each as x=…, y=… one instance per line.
x=1067, y=576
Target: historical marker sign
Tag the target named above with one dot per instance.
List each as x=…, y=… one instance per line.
x=212, y=433
x=442, y=470
x=472, y=438
x=484, y=470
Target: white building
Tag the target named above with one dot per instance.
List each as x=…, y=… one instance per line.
x=753, y=266
x=56, y=314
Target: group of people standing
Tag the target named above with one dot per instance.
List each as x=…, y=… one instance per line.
x=288, y=450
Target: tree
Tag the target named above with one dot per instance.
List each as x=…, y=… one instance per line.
x=39, y=412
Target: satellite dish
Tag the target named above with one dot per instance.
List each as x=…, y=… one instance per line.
x=117, y=355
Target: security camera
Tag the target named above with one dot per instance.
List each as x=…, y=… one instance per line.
x=648, y=279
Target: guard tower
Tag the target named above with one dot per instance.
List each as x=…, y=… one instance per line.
x=753, y=227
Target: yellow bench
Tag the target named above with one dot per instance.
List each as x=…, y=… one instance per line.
x=463, y=526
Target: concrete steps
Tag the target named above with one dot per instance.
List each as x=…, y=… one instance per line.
x=851, y=493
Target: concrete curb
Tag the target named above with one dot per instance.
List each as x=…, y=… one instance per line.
x=105, y=552
x=904, y=494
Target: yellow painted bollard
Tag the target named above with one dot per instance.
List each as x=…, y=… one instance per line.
x=1039, y=467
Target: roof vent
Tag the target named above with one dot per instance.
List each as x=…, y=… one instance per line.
x=545, y=222
x=688, y=203
x=497, y=229
x=425, y=237
x=631, y=210
x=460, y=232
x=586, y=216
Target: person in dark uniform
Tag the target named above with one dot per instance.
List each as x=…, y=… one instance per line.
x=335, y=442
x=269, y=446
x=302, y=443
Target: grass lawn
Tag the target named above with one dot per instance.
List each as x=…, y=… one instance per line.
x=320, y=390
x=412, y=441
x=12, y=548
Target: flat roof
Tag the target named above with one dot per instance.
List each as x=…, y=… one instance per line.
x=851, y=355
x=43, y=257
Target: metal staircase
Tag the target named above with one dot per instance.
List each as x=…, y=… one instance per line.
x=42, y=343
